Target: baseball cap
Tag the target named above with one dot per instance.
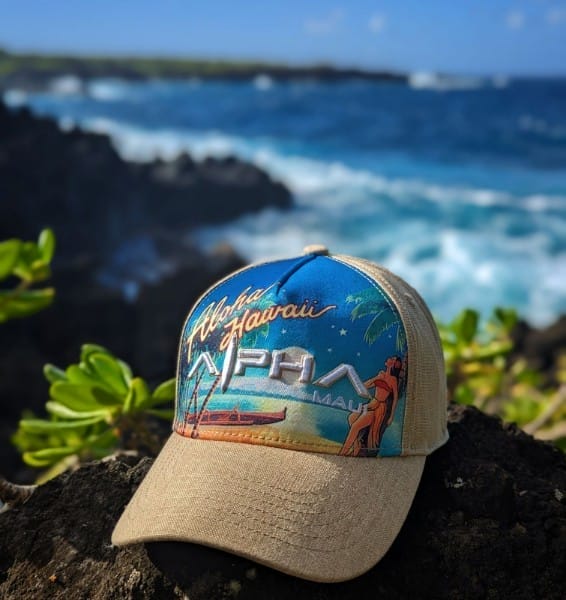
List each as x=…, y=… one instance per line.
x=309, y=392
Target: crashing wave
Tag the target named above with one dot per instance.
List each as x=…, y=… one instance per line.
x=427, y=80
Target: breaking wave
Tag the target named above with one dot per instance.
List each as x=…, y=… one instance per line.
x=461, y=246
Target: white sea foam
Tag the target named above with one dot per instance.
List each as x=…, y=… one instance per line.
x=263, y=82
x=107, y=90
x=541, y=127
x=500, y=81
x=66, y=85
x=407, y=224
x=305, y=176
x=15, y=98
x=427, y=80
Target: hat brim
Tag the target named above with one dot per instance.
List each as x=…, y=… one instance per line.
x=316, y=516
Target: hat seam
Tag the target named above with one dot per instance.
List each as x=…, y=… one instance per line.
x=263, y=438
x=287, y=520
x=374, y=284
x=226, y=513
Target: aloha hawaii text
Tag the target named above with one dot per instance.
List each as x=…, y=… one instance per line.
x=216, y=315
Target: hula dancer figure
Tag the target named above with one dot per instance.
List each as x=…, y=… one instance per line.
x=367, y=428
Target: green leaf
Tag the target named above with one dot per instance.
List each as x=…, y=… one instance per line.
x=47, y=456
x=88, y=349
x=80, y=375
x=82, y=397
x=126, y=371
x=46, y=245
x=109, y=371
x=28, y=254
x=129, y=401
x=466, y=325
x=107, y=439
x=44, y=426
x=40, y=270
x=164, y=392
x=162, y=413
x=53, y=373
x=493, y=350
x=22, y=304
x=142, y=395
x=464, y=394
x=9, y=252
x=64, y=412
x=506, y=316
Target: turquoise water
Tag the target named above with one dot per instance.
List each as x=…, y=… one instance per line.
x=458, y=186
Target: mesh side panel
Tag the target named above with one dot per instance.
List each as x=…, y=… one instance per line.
x=424, y=427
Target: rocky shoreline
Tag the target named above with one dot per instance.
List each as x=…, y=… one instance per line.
x=110, y=216
x=76, y=183
x=32, y=72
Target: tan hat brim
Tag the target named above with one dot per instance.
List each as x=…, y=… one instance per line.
x=317, y=516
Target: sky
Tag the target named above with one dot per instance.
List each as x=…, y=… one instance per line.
x=506, y=37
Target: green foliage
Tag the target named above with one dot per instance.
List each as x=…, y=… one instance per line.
x=93, y=408
x=30, y=263
x=102, y=66
x=479, y=372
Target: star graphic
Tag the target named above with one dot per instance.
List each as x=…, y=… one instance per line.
x=333, y=326
x=329, y=349
x=283, y=331
x=343, y=331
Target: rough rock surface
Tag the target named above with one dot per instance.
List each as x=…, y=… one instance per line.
x=488, y=521
x=76, y=183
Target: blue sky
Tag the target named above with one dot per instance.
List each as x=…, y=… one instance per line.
x=463, y=36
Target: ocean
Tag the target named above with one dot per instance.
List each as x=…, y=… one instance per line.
x=458, y=185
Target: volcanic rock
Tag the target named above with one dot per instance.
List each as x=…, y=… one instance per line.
x=76, y=183
x=488, y=521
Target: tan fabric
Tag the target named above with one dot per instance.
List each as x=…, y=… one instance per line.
x=424, y=427
x=317, y=516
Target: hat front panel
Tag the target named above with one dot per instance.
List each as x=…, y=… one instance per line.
x=306, y=354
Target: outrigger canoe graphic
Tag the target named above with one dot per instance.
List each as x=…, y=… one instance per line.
x=234, y=417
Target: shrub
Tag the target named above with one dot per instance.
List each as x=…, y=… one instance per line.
x=480, y=372
x=95, y=407
x=30, y=263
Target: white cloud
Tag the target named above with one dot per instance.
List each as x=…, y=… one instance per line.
x=515, y=19
x=325, y=25
x=377, y=23
x=556, y=16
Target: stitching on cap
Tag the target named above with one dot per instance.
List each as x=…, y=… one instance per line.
x=246, y=518
x=265, y=438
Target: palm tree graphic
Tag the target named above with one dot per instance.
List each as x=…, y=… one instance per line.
x=369, y=303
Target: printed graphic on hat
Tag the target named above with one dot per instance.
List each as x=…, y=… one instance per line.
x=266, y=359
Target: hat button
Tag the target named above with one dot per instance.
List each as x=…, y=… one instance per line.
x=318, y=249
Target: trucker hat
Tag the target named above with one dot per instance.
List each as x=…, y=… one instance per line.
x=309, y=393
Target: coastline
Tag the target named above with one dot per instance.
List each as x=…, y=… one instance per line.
x=126, y=268
x=34, y=71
